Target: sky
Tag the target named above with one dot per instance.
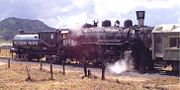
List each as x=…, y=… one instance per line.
x=72, y=13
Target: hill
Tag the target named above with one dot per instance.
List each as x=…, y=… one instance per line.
x=9, y=27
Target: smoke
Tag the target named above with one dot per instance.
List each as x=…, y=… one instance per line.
x=76, y=31
x=122, y=65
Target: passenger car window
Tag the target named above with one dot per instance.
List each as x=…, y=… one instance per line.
x=174, y=42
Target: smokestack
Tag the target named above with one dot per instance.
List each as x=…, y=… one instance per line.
x=140, y=17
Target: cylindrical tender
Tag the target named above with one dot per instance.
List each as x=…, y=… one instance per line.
x=26, y=39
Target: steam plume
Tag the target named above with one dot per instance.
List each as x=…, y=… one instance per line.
x=122, y=65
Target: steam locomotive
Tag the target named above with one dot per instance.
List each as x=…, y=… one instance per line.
x=91, y=44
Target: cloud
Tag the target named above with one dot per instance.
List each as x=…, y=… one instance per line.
x=68, y=13
x=120, y=8
x=80, y=3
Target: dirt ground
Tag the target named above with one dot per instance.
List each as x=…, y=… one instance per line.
x=15, y=78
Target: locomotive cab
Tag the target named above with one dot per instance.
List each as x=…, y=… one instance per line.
x=47, y=39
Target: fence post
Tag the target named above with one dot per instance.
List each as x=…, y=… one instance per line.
x=9, y=63
x=85, y=69
x=63, y=64
x=29, y=77
x=103, y=71
x=40, y=64
x=51, y=68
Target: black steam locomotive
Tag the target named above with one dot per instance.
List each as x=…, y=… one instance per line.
x=90, y=44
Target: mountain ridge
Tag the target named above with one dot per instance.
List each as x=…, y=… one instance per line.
x=9, y=27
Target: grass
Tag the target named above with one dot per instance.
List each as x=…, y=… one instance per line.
x=5, y=53
x=14, y=78
x=5, y=41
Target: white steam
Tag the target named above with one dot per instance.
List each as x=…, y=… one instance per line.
x=118, y=67
x=122, y=65
x=77, y=31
